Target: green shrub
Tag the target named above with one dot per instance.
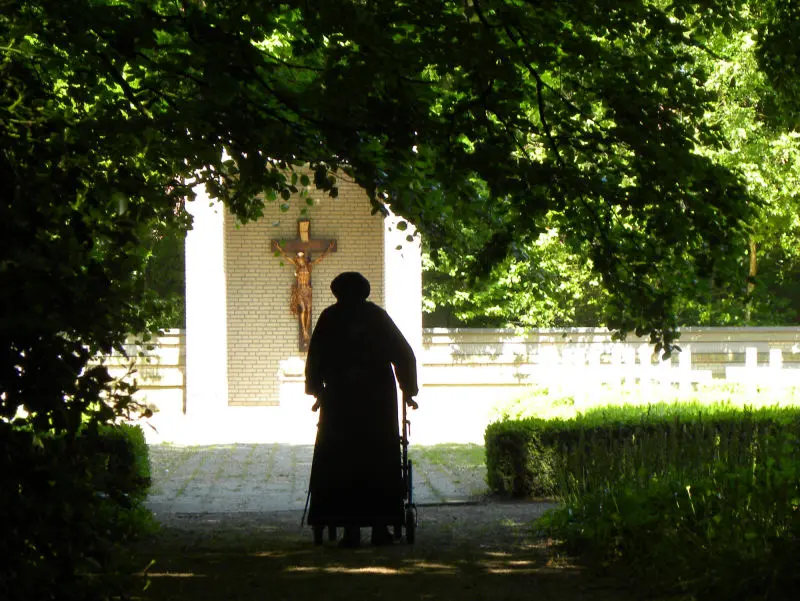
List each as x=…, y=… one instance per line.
x=537, y=457
x=696, y=500
x=730, y=534
x=518, y=462
x=128, y=460
x=68, y=505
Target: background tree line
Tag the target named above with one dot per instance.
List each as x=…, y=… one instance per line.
x=548, y=282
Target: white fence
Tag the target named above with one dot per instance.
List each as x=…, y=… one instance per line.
x=507, y=358
x=159, y=369
x=584, y=356
x=466, y=375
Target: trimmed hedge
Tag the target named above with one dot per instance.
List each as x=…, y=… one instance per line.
x=687, y=500
x=731, y=534
x=544, y=458
x=67, y=506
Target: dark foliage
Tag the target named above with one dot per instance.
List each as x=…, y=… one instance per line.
x=698, y=501
x=67, y=506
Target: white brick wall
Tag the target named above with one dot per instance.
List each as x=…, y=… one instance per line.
x=261, y=330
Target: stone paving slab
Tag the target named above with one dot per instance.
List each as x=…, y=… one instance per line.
x=236, y=478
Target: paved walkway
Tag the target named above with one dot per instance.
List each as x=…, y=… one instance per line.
x=274, y=477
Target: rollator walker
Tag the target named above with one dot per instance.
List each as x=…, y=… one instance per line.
x=406, y=518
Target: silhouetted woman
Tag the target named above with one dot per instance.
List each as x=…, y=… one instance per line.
x=356, y=477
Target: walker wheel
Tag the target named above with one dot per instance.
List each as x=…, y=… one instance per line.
x=411, y=525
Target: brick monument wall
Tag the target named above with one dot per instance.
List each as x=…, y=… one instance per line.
x=262, y=333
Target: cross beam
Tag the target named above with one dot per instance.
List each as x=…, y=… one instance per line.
x=303, y=242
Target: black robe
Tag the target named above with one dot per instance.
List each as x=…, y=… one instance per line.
x=356, y=475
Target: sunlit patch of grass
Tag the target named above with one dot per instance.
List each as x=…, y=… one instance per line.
x=451, y=455
x=465, y=464
x=551, y=404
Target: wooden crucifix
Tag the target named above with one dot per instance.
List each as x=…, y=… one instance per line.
x=299, y=253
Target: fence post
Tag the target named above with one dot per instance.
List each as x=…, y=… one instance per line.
x=685, y=371
x=617, y=371
x=777, y=377
x=629, y=369
x=751, y=370
x=550, y=364
x=580, y=385
x=751, y=357
x=775, y=359
x=646, y=370
x=664, y=375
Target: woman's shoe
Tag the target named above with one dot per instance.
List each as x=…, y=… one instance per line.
x=381, y=536
x=351, y=539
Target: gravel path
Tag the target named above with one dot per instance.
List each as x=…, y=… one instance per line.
x=230, y=530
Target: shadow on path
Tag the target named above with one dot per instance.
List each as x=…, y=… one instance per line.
x=465, y=552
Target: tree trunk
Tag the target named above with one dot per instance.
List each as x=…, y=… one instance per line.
x=751, y=276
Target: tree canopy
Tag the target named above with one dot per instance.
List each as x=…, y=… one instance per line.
x=483, y=122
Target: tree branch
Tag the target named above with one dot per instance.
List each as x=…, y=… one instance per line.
x=126, y=88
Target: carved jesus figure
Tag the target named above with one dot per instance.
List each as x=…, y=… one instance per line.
x=300, y=302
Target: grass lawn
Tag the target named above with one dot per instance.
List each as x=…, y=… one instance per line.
x=552, y=404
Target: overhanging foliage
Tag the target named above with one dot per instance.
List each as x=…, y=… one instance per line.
x=472, y=124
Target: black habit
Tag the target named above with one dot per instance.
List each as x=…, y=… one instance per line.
x=356, y=476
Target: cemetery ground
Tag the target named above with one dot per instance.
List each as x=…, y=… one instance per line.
x=230, y=515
